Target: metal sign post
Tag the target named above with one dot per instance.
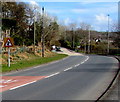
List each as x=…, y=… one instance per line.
x=8, y=56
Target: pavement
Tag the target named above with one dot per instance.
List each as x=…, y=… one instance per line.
x=114, y=92
x=77, y=77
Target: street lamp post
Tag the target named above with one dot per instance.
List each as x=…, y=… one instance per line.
x=108, y=47
x=42, y=32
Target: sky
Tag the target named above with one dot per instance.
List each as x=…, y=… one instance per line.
x=89, y=11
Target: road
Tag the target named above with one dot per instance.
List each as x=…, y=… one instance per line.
x=78, y=77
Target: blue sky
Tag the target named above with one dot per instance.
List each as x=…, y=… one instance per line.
x=93, y=13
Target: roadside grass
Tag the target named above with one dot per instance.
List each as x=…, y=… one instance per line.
x=31, y=62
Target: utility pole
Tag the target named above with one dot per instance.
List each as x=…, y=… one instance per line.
x=34, y=34
x=119, y=16
x=89, y=40
x=1, y=15
x=108, y=47
x=85, y=46
x=34, y=3
x=72, y=38
x=42, y=32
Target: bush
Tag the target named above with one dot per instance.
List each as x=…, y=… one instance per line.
x=114, y=52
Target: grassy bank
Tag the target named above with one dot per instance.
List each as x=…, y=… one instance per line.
x=32, y=62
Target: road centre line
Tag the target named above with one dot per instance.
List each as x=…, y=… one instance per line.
x=52, y=75
x=82, y=62
x=68, y=68
x=23, y=85
x=77, y=65
x=85, y=60
x=87, y=57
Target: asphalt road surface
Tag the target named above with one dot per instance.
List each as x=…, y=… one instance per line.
x=76, y=77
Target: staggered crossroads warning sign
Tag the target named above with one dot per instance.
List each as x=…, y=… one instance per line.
x=8, y=42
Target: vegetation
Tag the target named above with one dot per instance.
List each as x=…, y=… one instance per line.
x=19, y=18
x=22, y=25
x=31, y=62
x=117, y=39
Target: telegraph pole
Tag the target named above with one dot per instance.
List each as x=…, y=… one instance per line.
x=72, y=39
x=42, y=32
x=108, y=47
x=119, y=16
x=89, y=40
x=34, y=32
x=1, y=15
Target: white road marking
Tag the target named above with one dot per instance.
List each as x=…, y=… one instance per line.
x=2, y=86
x=52, y=75
x=10, y=80
x=82, y=62
x=87, y=57
x=85, y=60
x=68, y=68
x=7, y=81
x=77, y=65
x=23, y=85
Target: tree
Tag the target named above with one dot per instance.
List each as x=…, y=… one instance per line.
x=116, y=33
x=52, y=34
x=117, y=39
x=16, y=18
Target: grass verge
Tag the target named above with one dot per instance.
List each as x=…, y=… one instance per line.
x=32, y=62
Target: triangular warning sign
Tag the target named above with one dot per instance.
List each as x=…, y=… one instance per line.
x=8, y=42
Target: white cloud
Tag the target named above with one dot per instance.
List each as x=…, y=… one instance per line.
x=67, y=21
x=106, y=8
x=33, y=2
x=79, y=10
x=102, y=18
x=34, y=5
x=101, y=22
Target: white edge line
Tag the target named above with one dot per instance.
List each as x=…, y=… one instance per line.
x=22, y=85
x=52, y=75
